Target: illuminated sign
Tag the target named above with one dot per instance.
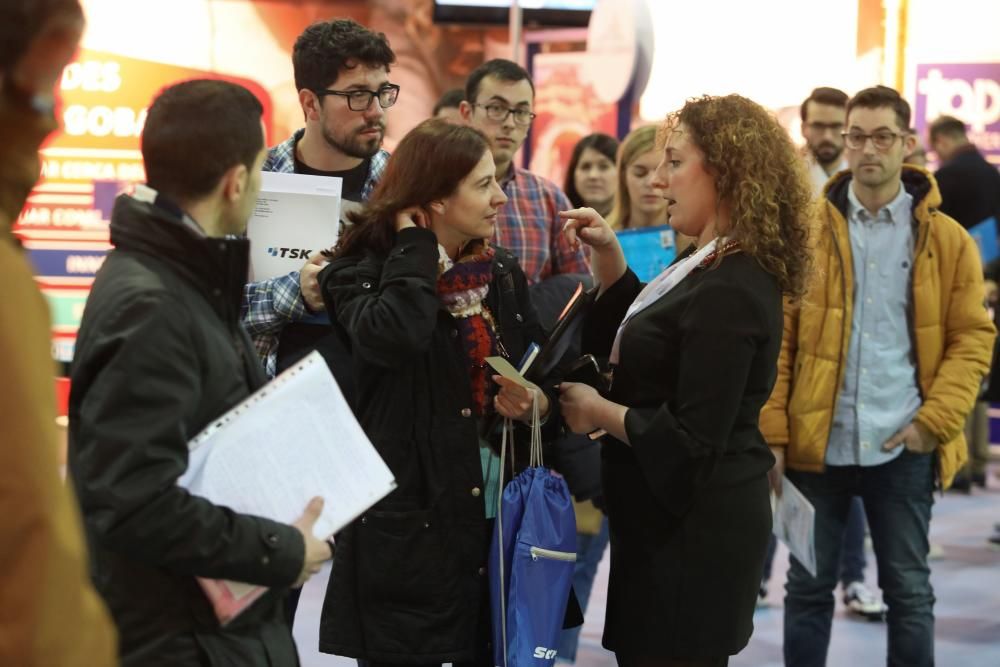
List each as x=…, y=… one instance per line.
x=969, y=92
x=64, y=225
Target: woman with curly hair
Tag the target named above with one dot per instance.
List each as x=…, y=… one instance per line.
x=693, y=358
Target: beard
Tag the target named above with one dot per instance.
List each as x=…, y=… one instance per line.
x=827, y=152
x=354, y=145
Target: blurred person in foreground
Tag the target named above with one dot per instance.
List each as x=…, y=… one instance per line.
x=693, y=358
x=49, y=612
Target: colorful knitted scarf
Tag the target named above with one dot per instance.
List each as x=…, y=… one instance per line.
x=462, y=287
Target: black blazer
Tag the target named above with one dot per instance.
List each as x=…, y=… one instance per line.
x=687, y=501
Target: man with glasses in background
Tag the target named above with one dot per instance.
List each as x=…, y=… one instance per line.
x=881, y=361
x=498, y=99
x=824, y=113
x=342, y=75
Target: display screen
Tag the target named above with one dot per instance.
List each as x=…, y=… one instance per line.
x=571, y=13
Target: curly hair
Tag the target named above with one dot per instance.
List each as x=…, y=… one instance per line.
x=758, y=171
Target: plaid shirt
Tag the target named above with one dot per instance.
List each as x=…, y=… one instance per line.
x=528, y=226
x=271, y=304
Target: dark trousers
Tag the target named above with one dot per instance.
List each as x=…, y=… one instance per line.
x=624, y=661
x=897, y=499
x=291, y=604
x=852, y=557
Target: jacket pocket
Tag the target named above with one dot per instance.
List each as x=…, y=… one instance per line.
x=401, y=559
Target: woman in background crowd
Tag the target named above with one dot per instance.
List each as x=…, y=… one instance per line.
x=590, y=177
x=638, y=202
x=693, y=356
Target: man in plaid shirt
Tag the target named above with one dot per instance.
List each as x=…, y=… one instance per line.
x=342, y=75
x=499, y=95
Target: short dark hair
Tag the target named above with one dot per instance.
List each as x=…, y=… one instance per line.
x=22, y=20
x=948, y=126
x=450, y=99
x=195, y=132
x=833, y=97
x=604, y=144
x=878, y=97
x=326, y=48
x=504, y=70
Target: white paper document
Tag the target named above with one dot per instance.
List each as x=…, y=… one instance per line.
x=795, y=524
x=296, y=216
x=294, y=439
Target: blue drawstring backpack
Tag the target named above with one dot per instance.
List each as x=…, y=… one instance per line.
x=531, y=560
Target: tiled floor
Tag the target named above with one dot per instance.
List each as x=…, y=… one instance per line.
x=966, y=583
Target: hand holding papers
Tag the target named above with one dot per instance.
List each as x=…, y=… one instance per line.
x=795, y=524
x=293, y=440
x=296, y=217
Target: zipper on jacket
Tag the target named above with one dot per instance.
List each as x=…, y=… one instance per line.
x=565, y=556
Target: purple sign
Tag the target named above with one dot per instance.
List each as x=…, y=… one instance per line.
x=969, y=92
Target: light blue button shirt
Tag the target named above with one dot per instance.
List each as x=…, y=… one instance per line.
x=880, y=394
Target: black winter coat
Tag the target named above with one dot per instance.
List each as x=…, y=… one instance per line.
x=161, y=353
x=408, y=583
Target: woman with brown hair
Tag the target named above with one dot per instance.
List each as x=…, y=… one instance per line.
x=693, y=356
x=590, y=176
x=423, y=299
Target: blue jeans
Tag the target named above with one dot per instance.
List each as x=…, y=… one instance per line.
x=589, y=551
x=897, y=499
x=852, y=558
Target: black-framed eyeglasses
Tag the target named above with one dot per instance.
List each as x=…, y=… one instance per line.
x=361, y=100
x=882, y=139
x=499, y=113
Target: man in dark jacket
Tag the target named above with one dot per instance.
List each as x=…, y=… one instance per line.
x=970, y=186
x=160, y=354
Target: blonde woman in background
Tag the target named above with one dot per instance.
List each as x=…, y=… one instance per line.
x=637, y=202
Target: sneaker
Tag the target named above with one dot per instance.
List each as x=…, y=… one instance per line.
x=861, y=601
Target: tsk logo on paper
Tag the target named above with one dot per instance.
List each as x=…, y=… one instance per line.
x=545, y=653
x=290, y=253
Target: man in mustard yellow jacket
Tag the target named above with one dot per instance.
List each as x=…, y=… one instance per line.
x=881, y=362
x=50, y=615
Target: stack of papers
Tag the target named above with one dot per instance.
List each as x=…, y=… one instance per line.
x=795, y=524
x=294, y=439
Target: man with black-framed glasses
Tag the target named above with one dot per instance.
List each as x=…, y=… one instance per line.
x=342, y=77
x=824, y=117
x=881, y=361
x=499, y=95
